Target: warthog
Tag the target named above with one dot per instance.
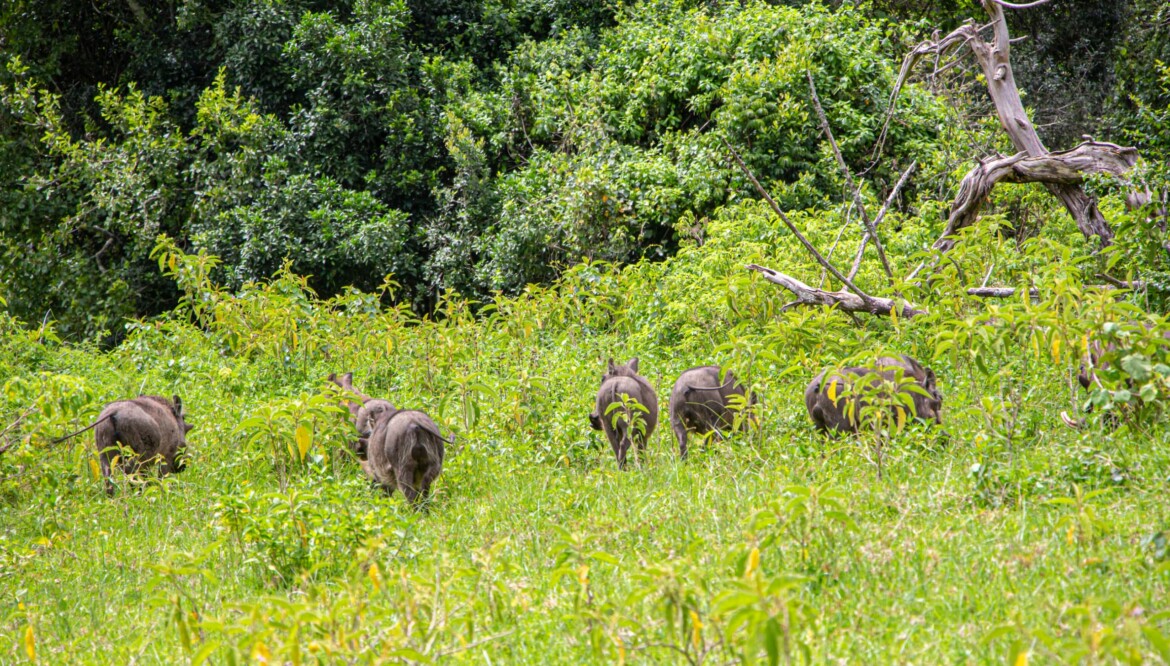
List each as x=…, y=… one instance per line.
x=619, y=380
x=150, y=426
x=701, y=403
x=399, y=448
x=843, y=412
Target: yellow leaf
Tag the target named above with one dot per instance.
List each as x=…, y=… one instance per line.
x=753, y=562
x=1056, y=348
x=696, y=630
x=832, y=392
x=304, y=440
x=1021, y=659
x=375, y=575
x=901, y=415
x=583, y=575
x=389, y=345
x=260, y=653
x=30, y=644
x=95, y=469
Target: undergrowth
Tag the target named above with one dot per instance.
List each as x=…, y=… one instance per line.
x=1001, y=536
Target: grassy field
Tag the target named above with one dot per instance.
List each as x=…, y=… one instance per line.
x=1010, y=538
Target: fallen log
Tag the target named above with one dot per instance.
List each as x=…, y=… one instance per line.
x=845, y=301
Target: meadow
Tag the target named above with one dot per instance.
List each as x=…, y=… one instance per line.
x=1007, y=538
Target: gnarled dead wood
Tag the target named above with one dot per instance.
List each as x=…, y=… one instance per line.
x=995, y=60
x=843, y=300
x=1064, y=168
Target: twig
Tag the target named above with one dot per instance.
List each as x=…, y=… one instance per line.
x=881, y=216
x=988, y=276
x=833, y=248
x=447, y=653
x=870, y=229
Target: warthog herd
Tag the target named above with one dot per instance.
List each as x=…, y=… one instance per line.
x=402, y=449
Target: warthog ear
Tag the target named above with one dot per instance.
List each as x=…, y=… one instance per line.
x=633, y=364
x=931, y=380
x=610, y=367
x=178, y=405
x=595, y=421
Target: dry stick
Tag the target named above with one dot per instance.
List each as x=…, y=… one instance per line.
x=792, y=227
x=1008, y=292
x=880, y=216
x=833, y=248
x=988, y=276
x=870, y=229
x=999, y=292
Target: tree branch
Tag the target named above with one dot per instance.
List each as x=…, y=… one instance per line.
x=792, y=227
x=843, y=300
x=881, y=216
x=1064, y=168
x=870, y=228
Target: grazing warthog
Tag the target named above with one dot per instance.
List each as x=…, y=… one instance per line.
x=843, y=412
x=619, y=380
x=701, y=403
x=150, y=426
x=399, y=448
x=365, y=413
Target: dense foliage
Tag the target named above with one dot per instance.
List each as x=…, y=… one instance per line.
x=467, y=145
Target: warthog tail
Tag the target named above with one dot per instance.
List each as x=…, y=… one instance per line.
x=88, y=427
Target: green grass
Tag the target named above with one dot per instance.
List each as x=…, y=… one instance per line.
x=535, y=548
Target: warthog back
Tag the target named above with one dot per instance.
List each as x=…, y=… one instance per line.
x=701, y=403
x=619, y=380
x=151, y=427
x=405, y=451
x=842, y=410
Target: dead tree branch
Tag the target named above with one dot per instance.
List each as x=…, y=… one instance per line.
x=842, y=300
x=1008, y=292
x=881, y=216
x=995, y=60
x=796, y=232
x=870, y=227
x=1064, y=168
x=999, y=292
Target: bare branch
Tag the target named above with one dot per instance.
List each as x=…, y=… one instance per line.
x=881, y=216
x=988, y=275
x=843, y=300
x=1026, y=5
x=999, y=292
x=792, y=227
x=1064, y=168
x=1008, y=292
x=870, y=229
